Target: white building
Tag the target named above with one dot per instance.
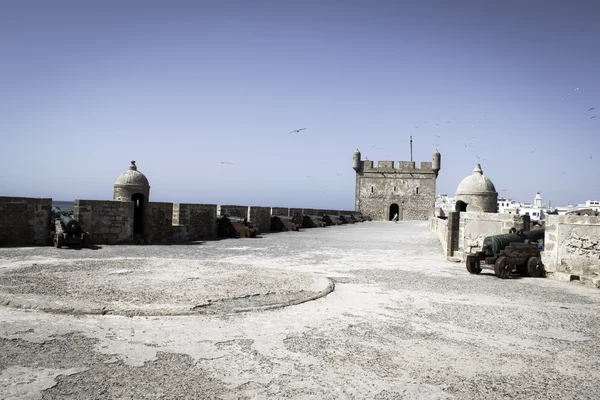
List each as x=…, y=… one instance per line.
x=589, y=205
x=537, y=201
x=508, y=206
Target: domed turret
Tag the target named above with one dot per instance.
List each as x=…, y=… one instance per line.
x=477, y=193
x=356, y=160
x=130, y=183
x=436, y=162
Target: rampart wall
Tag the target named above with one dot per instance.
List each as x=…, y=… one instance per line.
x=572, y=248
x=26, y=221
x=571, y=242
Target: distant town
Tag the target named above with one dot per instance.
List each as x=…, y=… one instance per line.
x=536, y=210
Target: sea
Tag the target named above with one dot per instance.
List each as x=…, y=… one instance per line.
x=63, y=205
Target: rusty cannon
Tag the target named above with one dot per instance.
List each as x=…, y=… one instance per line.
x=235, y=227
x=312, y=221
x=519, y=250
x=68, y=231
x=358, y=217
x=331, y=220
x=281, y=223
x=347, y=219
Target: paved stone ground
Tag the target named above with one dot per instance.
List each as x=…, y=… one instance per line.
x=401, y=323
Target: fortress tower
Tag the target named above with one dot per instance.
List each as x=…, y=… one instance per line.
x=391, y=188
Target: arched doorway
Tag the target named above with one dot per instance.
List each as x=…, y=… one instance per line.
x=138, y=213
x=461, y=206
x=394, y=209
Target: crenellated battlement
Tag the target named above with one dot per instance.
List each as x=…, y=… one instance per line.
x=399, y=166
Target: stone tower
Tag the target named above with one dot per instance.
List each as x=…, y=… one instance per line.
x=477, y=193
x=387, y=189
x=132, y=185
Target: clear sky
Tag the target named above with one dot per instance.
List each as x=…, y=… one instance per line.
x=181, y=86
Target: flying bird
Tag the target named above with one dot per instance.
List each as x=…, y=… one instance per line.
x=576, y=88
x=592, y=109
x=437, y=135
x=226, y=162
x=593, y=117
x=298, y=130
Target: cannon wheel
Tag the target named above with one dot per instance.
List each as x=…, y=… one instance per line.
x=502, y=267
x=535, y=268
x=58, y=241
x=473, y=265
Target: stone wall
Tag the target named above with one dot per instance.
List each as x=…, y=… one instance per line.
x=440, y=227
x=201, y=221
x=233, y=211
x=465, y=231
x=412, y=189
x=260, y=218
x=572, y=247
x=296, y=212
x=108, y=222
x=158, y=223
x=476, y=226
x=24, y=221
x=280, y=211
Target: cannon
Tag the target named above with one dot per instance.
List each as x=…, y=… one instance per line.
x=358, y=217
x=504, y=253
x=331, y=220
x=280, y=224
x=312, y=221
x=68, y=231
x=347, y=219
x=235, y=227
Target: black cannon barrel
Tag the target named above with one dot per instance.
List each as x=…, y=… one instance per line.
x=494, y=244
x=535, y=234
x=71, y=225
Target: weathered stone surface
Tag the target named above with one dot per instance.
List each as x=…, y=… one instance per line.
x=99, y=218
x=24, y=221
x=260, y=217
x=572, y=245
x=233, y=211
x=379, y=190
x=158, y=222
x=280, y=211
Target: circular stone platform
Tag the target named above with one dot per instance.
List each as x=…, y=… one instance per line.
x=153, y=286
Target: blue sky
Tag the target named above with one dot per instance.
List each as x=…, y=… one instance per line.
x=181, y=86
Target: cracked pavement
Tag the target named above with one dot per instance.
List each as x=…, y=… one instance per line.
x=402, y=323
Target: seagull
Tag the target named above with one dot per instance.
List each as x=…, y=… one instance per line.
x=309, y=176
x=593, y=117
x=437, y=136
x=591, y=109
x=298, y=130
x=576, y=88
x=226, y=162
x=532, y=152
